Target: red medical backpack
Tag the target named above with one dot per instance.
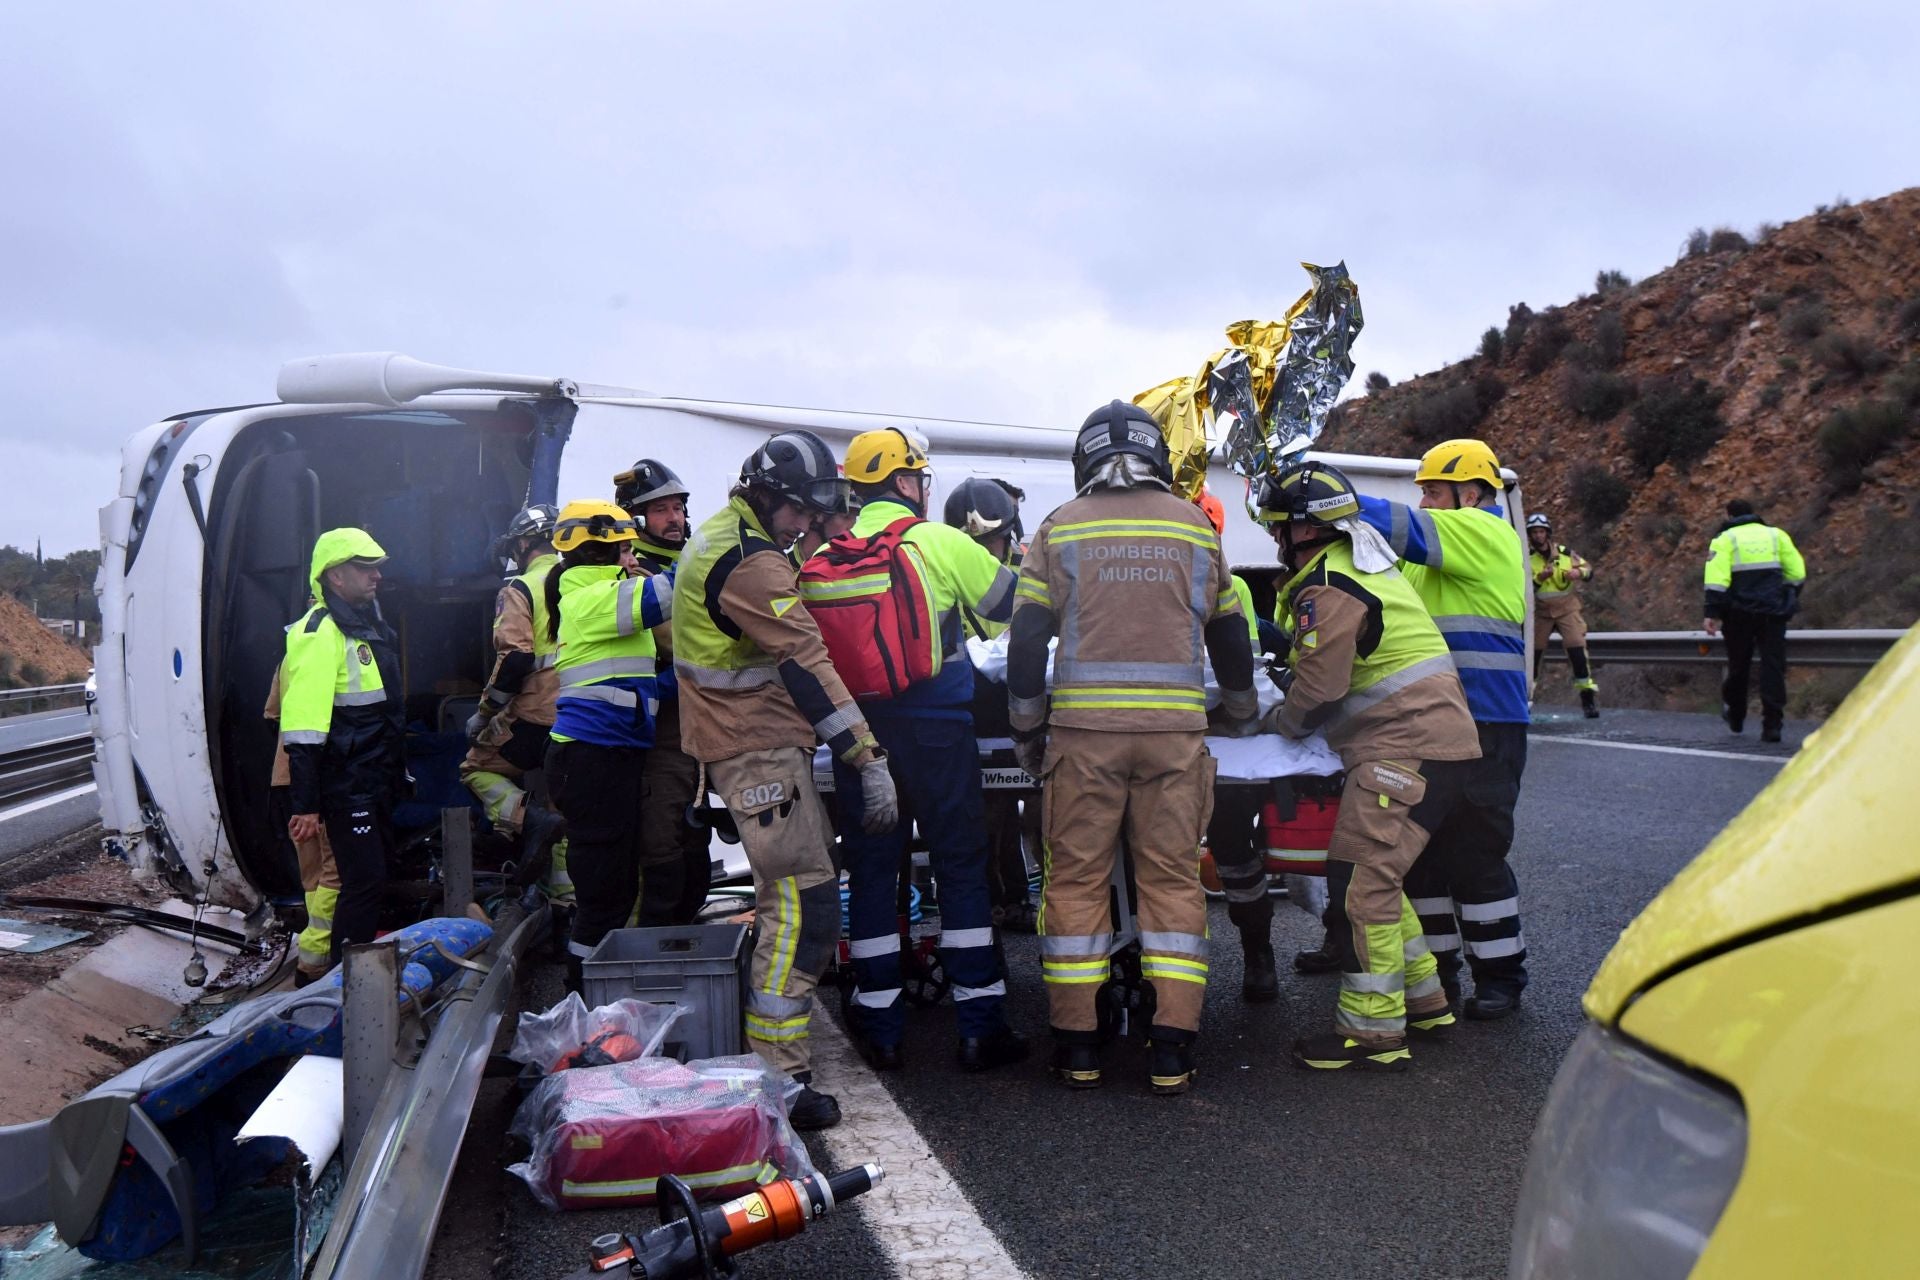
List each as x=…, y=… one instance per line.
x=869, y=597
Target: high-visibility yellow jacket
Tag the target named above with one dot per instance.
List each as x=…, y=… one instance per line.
x=1753, y=567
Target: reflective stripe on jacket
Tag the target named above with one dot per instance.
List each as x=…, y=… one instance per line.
x=1556, y=577
x=1470, y=567
x=1755, y=568
x=1131, y=577
x=1370, y=667
x=608, y=693
x=341, y=729
x=520, y=628
x=752, y=670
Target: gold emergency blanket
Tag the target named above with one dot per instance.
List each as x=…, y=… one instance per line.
x=1268, y=394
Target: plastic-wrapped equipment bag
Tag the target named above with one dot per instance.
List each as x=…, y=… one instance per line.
x=603, y=1136
x=569, y=1035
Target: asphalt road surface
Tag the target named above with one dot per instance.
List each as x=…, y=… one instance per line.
x=1263, y=1169
x=40, y=821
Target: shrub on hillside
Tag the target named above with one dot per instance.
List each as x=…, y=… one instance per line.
x=1610, y=281
x=1596, y=393
x=1848, y=354
x=1851, y=438
x=1490, y=345
x=1806, y=321
x=1767, y=302
x=1600, y=495
x=1696, y=243
x=1771, y=395
x=1726, y=240
x=1549, y=339
x=32, y=675
x=1673, y=423
x=1908, y=321
x=1609, y=339
x=1450, y=412
x=1519, y=320
x=1377, y=381
x=1903, y=388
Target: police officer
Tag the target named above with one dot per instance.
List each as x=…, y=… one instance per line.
x=1370, y=668
x=655, y=498
x=1241, y=864
x=342, y=724
x=757, y=690
x=601, y=613
x=1130, y=578
x=1470, y=568
x=1557, y=606
x=927, y=734
x=1754, y=575
x=508, y=731
x=988, y=511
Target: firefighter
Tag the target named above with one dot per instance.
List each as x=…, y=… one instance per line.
x=927, y=734
x=1241, y=863
x=1754, y=575
x=1557, y=606
x=653, y=495
x=601, y=614
x=756, y=691
x=342, y=725
x=1371, y=669
x=988, y=511
x=1130, y=578
x=508, y=731
x=1470, y=567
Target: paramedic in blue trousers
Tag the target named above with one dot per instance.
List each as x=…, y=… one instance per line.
x=927, y=734
x=1469, y=566
x=988, y=511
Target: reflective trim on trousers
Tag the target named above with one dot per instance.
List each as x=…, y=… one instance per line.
x=1443, y=942
x=959, y=939
x=1190, y=943
x=1175, y=967
x=1074, y=971
x=782, y=1031
x=1482, y=912
x=1427, y=986
x=877, y=999
x=869, y=948
x=1346, y=1020
x=1076, y=944
x=1495, y=948
x=718, y=678
x=1433, y=906
x=775, y=1007
x=1374, y=984
x=976, y=993
x=1019, y=708
x=1245, y=892
x=786, y=940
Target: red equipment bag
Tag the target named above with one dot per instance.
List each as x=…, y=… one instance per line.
x=604, y=1136
x=1300, y=846
x=869, y=598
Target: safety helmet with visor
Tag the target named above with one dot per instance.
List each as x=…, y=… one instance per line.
x=1119, y=429
x=647, y=480
x=797, y=465
x=587, y=520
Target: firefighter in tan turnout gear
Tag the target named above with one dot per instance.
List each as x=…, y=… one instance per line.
x=1556, y=606
x=1130, y=578
x=756, y=691
x=1371, y=669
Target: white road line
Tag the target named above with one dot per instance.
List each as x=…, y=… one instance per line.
x=918, y=1214
x=1775, y=761
x=58, y=797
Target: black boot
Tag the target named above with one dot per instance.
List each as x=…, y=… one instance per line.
x=1588, y=706
x=576, y=976
x=1319, y=960
x=983, y=1053
x=540, y=829
x=1769, y=732
x=810, y=1109
x=1492, y=1003
x=1260, y=984
x=1076, y=1059
x=1331, y=1051
x=1169, y=1065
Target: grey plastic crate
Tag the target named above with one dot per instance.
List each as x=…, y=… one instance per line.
x=698, y=967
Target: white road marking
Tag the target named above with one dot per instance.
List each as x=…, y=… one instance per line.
x=58, y=797
x=918, y=1214
x=1775, y=761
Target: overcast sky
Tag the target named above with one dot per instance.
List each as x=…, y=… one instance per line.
x=1008, y=212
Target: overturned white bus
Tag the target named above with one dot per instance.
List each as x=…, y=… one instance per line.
x=206, y=545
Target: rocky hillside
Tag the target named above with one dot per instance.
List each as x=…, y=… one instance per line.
x=32, y=655
x=1782, y=367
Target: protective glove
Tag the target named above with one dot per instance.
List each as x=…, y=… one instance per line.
x=1241, y=708
x=879, y=801
x=477, y=723
x=1031, y=753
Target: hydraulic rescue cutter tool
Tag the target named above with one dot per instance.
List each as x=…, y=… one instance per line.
x=694, y=1242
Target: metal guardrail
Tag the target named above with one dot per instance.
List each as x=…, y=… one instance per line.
x=49, y=697
x=1804, y=648
x=44, y=768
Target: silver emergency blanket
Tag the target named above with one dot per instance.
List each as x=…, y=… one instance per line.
x=1320, y=328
